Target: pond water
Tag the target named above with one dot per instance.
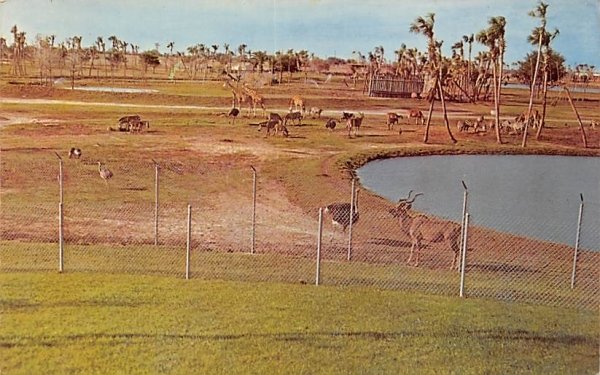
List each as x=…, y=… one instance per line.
x=114, y=89
x=532, y=196
x=583, y=89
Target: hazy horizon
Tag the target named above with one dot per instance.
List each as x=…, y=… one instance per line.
x=325, y=27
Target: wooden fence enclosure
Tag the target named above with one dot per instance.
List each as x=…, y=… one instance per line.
x=389, y=87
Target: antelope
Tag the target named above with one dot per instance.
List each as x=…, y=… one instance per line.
x=315, y=112
x=275, y=116
x=421, y=228
x=270, y=125
x=293, y=116
x=464, y=125
x=297, y=103
x=346, y=116
x=416, y=114
x=594, y=124
x=535, y=117
x=138, y=126
x=392, y=118
x=125, y=122
x=354, y=123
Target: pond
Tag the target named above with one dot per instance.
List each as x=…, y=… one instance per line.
x=127, y=90
x=531, y=196
x=580, y=88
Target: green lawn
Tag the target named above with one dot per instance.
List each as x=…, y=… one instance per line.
x=109, y=324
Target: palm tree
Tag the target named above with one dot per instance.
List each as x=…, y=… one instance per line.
x=400, y=69
x=469, y=39
x=459, y=46
x=424, y=25
x=539, y=12
x=102, y=47
x=433, y=68
x=546, y=51
x=493, y=38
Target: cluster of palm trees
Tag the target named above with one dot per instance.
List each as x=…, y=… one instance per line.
x=442, y=73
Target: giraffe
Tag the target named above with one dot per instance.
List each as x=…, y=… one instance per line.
x=256, y=100
x=239, y=96
x=297, y=104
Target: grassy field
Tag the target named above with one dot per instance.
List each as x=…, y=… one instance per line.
x=104, y=321
x=94, y=323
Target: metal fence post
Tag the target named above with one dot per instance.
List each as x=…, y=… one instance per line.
x=463, y=259
x=577, y=242
x=253, y=238
x=61, y=216
x=189, y=242
x=319, y=237
x=352, y=198
x=156, y=190
x=462, y=224
x=61, y=248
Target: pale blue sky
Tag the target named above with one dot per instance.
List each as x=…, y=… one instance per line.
x=325, y=27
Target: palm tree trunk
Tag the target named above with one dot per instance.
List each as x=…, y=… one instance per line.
x=426, y=137
x=544, y=102
x=535, y=73
x=497, y=96
x=441, y=91
x=583, y=136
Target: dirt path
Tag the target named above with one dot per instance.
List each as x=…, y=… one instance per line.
x=325, y=113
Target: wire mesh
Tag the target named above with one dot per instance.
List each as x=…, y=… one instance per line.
x=115, y=225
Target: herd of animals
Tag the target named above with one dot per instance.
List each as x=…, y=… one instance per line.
x=420, y=229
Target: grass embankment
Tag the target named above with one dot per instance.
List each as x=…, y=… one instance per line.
x=83, y=323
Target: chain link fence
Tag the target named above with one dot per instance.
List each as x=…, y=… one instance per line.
x=245, y=229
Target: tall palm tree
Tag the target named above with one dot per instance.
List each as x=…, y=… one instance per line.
x=102, y=47
x=546, y=50
x=433, y=67
x=539, y=12
x=469, y=39
x=494, y=38
x=460, y=47
x=424, y=25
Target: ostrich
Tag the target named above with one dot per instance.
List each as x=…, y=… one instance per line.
x=105, y=173
x=74, y=153
x=330, y=124
x=340, y=213
x=233, y=113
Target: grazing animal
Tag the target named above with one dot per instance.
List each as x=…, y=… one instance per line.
x=125, y=122
x=293, y=116
x=535, y=118
x=233, y=114
x=340, y=213
x=315, y=112
x=417, y=115
x=138, y=126
x=330, y=124
x=594, y=124
x=105, y=173
x=275, y=116
x=346, y=116
x=465, y=125
x=275, y=126
x=353, y=124
x=297, y=104
x=392, y=118
x=74, y=153
x=421, y=228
